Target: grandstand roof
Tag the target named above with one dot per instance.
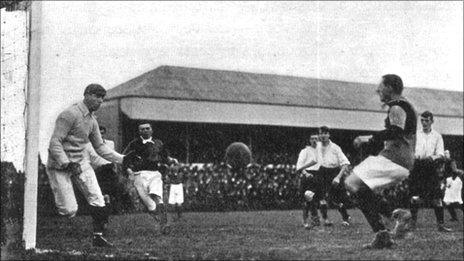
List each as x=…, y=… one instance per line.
x=182, y=83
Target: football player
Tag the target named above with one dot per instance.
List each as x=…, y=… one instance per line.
x=425, y=180
x=175, y=179
x=390, y=166
x=147, y=172
x=307, y=166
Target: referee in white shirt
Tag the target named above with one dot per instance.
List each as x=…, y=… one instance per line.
x=307, y=167
x=333, y=162
x=424, y=181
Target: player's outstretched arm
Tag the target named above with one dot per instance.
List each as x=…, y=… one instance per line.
x=307, y=165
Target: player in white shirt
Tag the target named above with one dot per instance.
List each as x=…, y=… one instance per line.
x=332, y=162
x=175, y=178
x=453, y=192
x=425, y=181
x=106, y=170
x=307, y=167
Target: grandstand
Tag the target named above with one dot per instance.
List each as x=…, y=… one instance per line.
x=198, y=112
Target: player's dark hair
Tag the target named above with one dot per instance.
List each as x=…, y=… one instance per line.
x=427, y=114
x=312, y=133
x=324, y=129
x=393, y=81
x=144, y=122
x=96, y=89
x=307, y=140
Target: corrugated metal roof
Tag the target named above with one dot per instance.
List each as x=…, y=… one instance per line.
x=184, y=83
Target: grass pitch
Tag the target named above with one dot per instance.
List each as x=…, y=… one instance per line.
x=240, y=235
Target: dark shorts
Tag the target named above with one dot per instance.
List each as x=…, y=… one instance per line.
x=424, y=181
x=308, y=183
x=325, y=189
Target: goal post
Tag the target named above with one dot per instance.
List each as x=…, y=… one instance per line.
x=32, y=126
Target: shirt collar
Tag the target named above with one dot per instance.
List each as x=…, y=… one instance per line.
x=146, y=140
x=422, y=130
x=401, y=98
x=328, y=144
x=83, y=108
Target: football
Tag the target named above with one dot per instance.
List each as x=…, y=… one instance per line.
x=238, y=155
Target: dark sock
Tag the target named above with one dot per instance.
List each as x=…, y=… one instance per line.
x=452, y=211
x=99, y=218
x=178, y=211
x=414, y=208
x=163, y=211
x=324, y=211
x=368, y=203
x=339, y=195
x=154, y=214
x=313, y=208
x=305, y=210
x=386, y=209
x=439, y=214
x=343, y=212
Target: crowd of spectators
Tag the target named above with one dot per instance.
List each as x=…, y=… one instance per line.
x=215, y=187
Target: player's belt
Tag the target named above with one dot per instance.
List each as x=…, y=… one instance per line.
x=328, y=168
x=328, y=171
x=312, y=171
x=138, y=172
x=149, y=166
x=424, y=162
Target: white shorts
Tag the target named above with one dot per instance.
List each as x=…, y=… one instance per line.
x=451, y=197
x=379, y=172
x=61, y=183
x=148, y=182
x=176, y=194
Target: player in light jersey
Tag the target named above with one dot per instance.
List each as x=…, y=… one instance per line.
x=453, y=194
x=175, y=179
x=68, y=161
x=425, y=180
x=307, y=167
x=332, y=162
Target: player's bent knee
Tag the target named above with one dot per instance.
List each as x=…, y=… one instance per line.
x=353, y=184
x=308, y=195
x=68, y=212
x=415, y=200
x=157, y=175
x=138, y=183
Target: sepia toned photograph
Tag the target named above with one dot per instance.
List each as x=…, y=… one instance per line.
x=232, y=130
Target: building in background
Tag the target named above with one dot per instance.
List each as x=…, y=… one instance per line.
x=199, y=112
